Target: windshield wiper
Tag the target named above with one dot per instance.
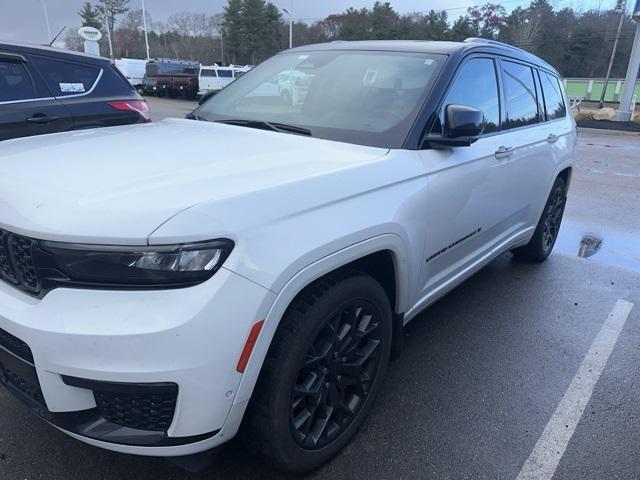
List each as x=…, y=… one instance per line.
x=273, y=126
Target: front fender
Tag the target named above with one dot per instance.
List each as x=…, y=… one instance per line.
x=307, y=275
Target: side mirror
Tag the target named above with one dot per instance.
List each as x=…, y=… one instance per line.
x=462, y=126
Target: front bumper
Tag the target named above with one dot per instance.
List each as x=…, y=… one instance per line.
x=93, y=361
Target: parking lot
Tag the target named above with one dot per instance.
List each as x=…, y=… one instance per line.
x=483, y=371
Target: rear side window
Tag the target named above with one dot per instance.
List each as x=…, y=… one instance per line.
x=66, y=78
x=207, y=73
x=521, y=101
x=225, y=73
x=15, y=82
x=476, y=86
x=553, y=98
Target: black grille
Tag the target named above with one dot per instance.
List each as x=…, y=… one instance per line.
x=144, y=411
x=16, y=262
x=32, y=390
x=16, y=346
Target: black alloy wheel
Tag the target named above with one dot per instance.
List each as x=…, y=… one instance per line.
x=337, y=375
x=324, y=367
x=552, y=219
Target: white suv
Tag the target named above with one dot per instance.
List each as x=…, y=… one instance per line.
x=155, y=297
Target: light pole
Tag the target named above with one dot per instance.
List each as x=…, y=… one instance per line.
x=46, y=19
x=625, y=113
x=106, y=19
x=146, y=34
x=621, y=8
x=289, y=11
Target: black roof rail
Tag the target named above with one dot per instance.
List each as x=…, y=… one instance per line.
x=495, y=43
x=485, y=41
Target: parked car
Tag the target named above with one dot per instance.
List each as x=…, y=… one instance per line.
x=133, y=70
x=47, y=90
x=172, y=78
x=158, y=303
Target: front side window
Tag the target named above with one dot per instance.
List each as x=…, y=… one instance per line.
x=553, y=98
x=66, y=78
x=362, y=97
x=475, y=86
x=15, y=82
x=521, y=101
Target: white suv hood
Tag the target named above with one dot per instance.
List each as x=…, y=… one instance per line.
x=117, y=185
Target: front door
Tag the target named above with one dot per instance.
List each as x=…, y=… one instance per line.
x=467, y=212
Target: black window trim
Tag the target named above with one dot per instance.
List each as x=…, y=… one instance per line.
x=20, y=59
x=534, y=69
x=472, y=56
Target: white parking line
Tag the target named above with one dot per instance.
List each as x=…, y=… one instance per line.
x=546, y=455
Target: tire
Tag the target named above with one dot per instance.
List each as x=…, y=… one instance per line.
x=275, y=423
x=546, y=233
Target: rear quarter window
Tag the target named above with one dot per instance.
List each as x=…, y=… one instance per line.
x=66, y=78
x=553, y=96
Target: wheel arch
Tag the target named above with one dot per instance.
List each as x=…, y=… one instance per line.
x=373, y=256
x=566, y=174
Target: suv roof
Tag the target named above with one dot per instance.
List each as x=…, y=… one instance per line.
x=54, y=52
x=428, y=46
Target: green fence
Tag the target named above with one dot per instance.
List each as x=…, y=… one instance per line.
x=590, y=89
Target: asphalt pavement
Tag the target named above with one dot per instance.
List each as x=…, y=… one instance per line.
x=484, y=372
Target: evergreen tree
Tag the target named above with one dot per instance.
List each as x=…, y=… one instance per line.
x=232, y=31
x=354, y=24
x=462, y=29
x=90, y=16
x=384, y=22
x=108, y=11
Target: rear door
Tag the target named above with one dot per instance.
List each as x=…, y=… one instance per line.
x=73, y=84
x=529, y=164
x=208, y=80
x=86, y=90
x=558, y=129
x=26, y=106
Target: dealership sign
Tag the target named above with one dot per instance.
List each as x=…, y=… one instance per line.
x=90, y=33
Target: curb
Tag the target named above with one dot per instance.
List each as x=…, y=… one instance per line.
x=603, y=131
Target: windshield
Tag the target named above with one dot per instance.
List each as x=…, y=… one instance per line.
x=361, y=97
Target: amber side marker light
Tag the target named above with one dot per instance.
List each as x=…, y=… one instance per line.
x=248, y=347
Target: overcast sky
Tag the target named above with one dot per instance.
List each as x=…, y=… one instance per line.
x=23, y=20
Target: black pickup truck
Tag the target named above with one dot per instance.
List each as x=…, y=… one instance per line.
x=172, y=78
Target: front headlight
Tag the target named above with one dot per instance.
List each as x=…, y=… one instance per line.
x=167, y=266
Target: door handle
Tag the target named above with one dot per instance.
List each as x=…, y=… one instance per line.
x=552, y=138
x=41, y=119
x=503, y=152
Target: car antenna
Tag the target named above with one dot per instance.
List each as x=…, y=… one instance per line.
x=56, y=37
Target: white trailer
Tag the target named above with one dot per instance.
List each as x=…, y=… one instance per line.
x=133, y=69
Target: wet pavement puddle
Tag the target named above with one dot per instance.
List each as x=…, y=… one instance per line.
x=610, y=247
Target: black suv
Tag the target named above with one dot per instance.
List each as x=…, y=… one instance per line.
x=47, y=90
